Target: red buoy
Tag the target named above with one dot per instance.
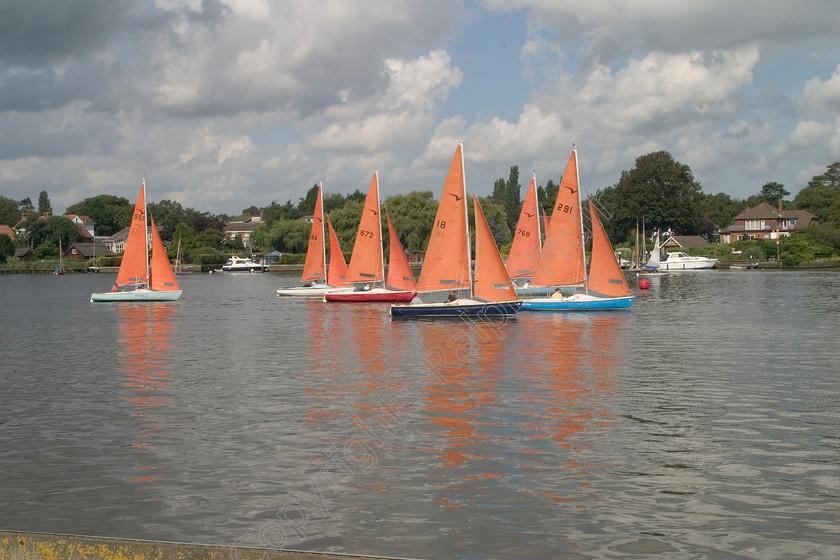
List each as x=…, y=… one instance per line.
x=644, y=283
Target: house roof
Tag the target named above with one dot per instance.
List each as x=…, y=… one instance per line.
x=241, y=226
x=763, y=210
x=80, y=219
x=8, y=231
x=87, y=249
x=686, y=241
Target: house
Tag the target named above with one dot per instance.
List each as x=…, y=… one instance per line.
x=242, y=226
x=23, y=254
x=85, y=251
x=116, y=242
x=680, y=242
x=4, y=229
x=84, y=223
x=767, y=222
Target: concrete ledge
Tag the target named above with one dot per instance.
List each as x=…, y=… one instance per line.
x=45, y=546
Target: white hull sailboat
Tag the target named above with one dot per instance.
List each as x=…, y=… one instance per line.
x=139, y=278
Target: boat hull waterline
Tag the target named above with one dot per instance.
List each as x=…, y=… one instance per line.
x=374, y=295
x=140, y=295
x=458, y=308
x=578, y=302
x=316, y=290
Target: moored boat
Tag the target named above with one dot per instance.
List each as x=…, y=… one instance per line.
x=678, y=260
x=239, y=264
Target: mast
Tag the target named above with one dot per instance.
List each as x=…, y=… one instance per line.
x=381, y=249
x=537, y=200
x=580, y=210
x=146, y=232
x=466, y=216
x=323, y=235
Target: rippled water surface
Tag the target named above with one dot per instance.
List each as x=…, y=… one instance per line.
x=704, y=423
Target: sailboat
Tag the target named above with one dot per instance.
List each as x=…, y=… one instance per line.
x=367, y=266
x=525, y=249
x=140, y=279
x=605, y=288
x=314, y=276
x=651, y=267
x=446, y=267
x=561, y=263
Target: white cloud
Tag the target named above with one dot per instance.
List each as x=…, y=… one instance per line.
x=823, y=95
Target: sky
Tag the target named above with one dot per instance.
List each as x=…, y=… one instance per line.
x=226, y=104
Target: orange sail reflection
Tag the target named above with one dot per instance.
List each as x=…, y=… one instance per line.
x=520, y=401
x=457, y=395
x=350, y=356
x=146, y=342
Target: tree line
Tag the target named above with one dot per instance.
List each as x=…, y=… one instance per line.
x=659, y=189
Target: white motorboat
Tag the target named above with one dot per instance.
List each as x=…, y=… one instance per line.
x=238, y=264
x=678, y=260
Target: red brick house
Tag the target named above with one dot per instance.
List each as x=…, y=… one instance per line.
x=766, y=222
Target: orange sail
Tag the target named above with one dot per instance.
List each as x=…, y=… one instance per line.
x=314, y=269
x=366, y=261
x=134, y=268
x=162, y=277
x=400, y=276
x=605, y=276
x=492, y=282
x=525, y=249
x=562, y=260
x=447, y=262
x=338, y=268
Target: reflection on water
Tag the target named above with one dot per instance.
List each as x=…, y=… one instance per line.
x=702, y=423
x=145, y=343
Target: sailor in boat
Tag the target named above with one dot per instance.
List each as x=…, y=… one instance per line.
x=453, y=295
x=557, y=294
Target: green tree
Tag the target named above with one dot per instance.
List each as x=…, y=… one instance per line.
x=773, y=192
x=9, y=211
x=275, y=211
x=212, y=238
x=345, y=221
x=50, y=231
x=109, y=213
x=818, y=199
x=44, y=205
x=306, y=206
x=831, y=177
x=289, y=236
x=413, y=215
x=663, y=191
x=822, y=196
x=26, y=206
x=548, y=196
x=508, y=194
x=187, y=237
x=7, y=248
x=167, y=214
x=497, y=219
x=721, y=208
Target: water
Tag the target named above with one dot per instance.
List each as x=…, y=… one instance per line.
x=701, y=424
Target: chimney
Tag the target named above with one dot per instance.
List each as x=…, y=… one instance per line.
x=780, y=207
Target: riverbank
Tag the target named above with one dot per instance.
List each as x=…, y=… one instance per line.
x=46, y=546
